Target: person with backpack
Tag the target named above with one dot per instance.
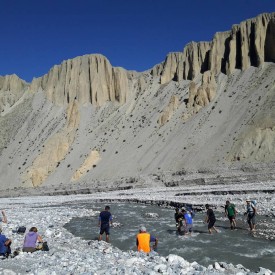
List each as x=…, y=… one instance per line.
x=251, y=214
x=230, y=212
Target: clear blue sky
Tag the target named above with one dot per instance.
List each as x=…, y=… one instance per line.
x=134, y=34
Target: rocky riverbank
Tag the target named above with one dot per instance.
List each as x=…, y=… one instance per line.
x=72, y=255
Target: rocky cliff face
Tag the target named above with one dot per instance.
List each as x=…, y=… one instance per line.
x=11, y=90
x=208, y=107
x=88, y=79
x=249, y=44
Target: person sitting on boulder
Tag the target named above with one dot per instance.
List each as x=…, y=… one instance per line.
x=5, y=243
x=30, y=240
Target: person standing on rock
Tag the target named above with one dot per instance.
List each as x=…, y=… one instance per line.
x=230, y=212
x=144, y=239
x=251, y=214
x=104, y=221
x=210, y=219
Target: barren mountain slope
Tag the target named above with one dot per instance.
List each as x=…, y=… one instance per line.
x=87, y=122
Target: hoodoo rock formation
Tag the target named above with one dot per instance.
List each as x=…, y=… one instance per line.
x=88, y=78
x=249, y=44
x=207, y=108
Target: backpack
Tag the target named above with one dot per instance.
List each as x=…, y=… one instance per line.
x=21, y=230
x=45, y=246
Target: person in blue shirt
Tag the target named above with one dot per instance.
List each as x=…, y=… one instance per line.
x=104, y=221
x=5, y=243
x=188, y=221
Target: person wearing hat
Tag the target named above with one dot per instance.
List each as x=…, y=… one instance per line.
x=251, y=213
x=144, y=239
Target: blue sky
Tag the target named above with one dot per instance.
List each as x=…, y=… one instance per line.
x=134, y=34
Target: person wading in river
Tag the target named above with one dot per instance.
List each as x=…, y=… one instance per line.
x=251, y=214
x=230, y=212
x=178, y=219
x=104, y=221
x=210, y=219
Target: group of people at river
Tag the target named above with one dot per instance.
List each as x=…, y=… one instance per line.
x=32, y=240
x=184, y=223
x=143, y=238
x=184, y=218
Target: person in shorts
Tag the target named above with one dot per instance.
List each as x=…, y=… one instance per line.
x=104, y=221
x=230, y=212
x=210, y=219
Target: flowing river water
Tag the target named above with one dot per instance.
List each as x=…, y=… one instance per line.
x=237, y=247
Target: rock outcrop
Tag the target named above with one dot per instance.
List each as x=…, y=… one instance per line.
x=169, y=110
x=88, y=79
x=11, y=90
x=250, y=43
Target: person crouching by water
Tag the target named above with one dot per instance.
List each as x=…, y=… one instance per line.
x=31, y=238
x=5, y=243
x=144, y=239
x=104, y=221
x=210, y=219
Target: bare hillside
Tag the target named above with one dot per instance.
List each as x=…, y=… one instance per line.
x=209, y=109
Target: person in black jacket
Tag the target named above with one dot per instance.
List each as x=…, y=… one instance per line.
x=210, y=219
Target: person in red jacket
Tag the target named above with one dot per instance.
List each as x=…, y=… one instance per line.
x=144, y=239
